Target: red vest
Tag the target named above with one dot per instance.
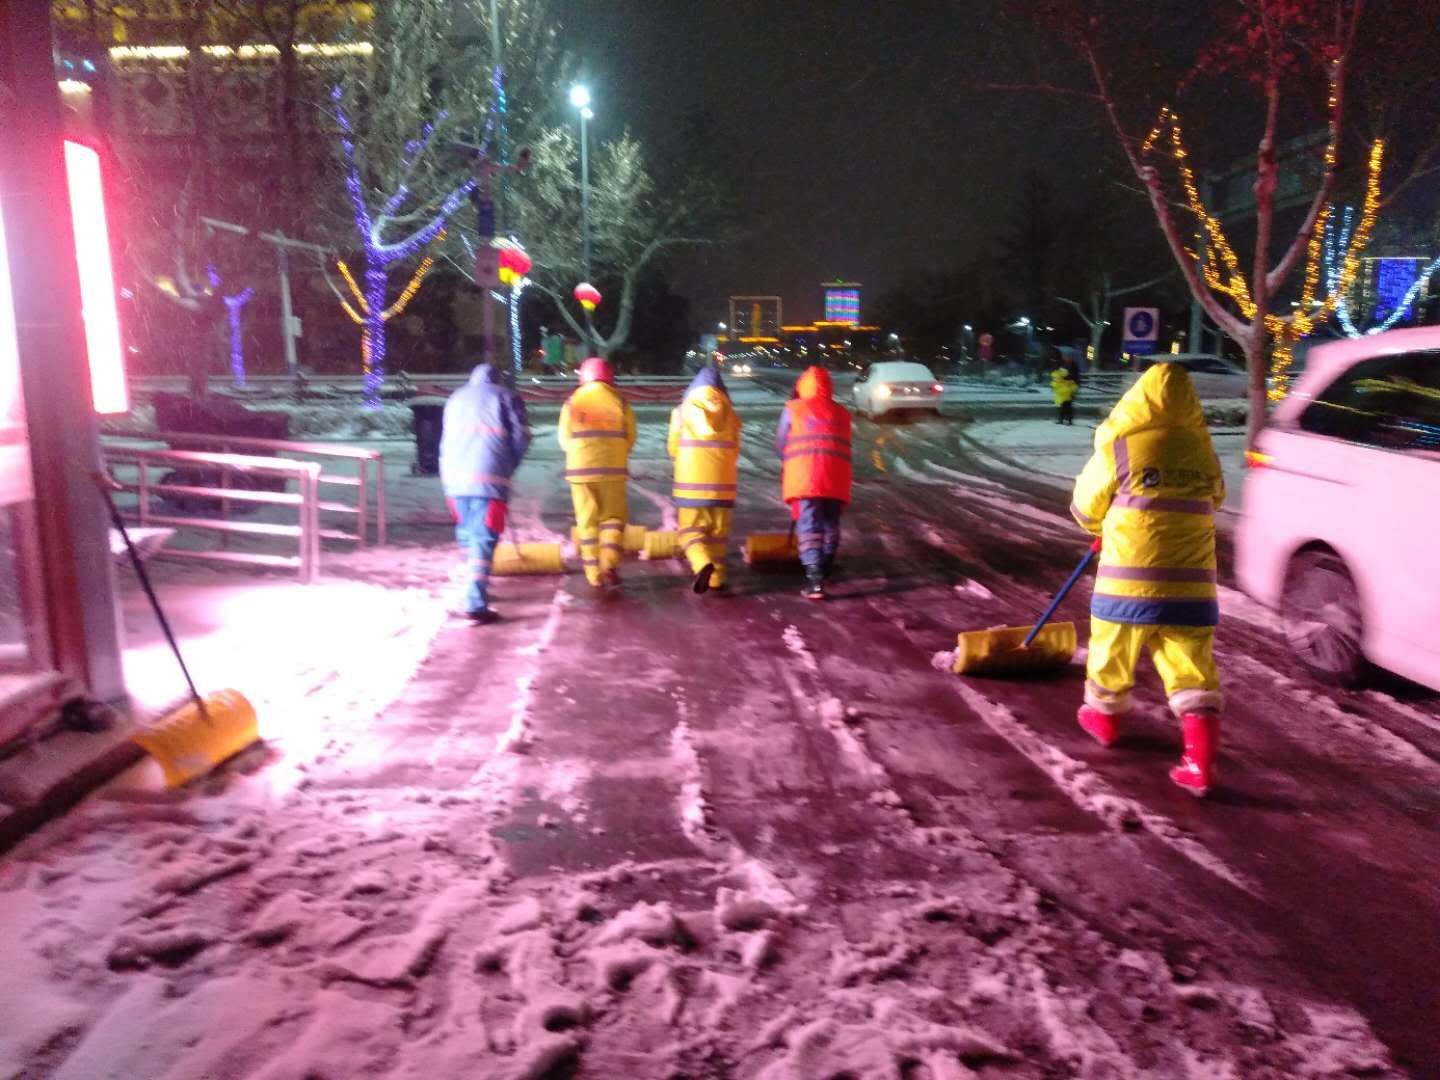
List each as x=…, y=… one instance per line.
x=816, y=451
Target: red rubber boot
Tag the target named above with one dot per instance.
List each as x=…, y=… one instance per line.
x=1098, y=725
x=1196, y=771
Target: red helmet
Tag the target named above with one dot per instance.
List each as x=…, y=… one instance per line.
x=597, y=369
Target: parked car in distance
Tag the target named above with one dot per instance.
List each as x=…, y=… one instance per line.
x=894, y=386
x=1342, y=509
x=1215, y=377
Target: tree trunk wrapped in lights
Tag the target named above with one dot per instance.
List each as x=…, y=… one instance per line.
x=381, y=255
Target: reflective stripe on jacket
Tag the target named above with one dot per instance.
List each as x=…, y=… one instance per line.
x=705, y=443
x=484, y=437
x=814, y=442
x=1151, y=491
x=597, y=429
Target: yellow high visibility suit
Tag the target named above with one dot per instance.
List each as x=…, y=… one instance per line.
x=1064, y=387
x=705, y=443
x=1150, y=491
x=597, y=430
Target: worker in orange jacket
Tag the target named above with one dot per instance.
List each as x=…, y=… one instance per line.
x=597, y=430
x=813, y=442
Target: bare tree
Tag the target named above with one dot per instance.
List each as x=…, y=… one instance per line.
x=1100, y=296
x=635, y=221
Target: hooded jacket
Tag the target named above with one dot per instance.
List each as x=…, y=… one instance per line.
x=485, y=434
x=1151, y=491
x=814, y=442
x=705, y=443
x=597, y=429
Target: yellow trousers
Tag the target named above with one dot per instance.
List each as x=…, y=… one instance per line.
x=704, y=536
x=1184, y=657
x=600, y=513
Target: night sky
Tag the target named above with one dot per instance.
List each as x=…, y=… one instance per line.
x=864, y=155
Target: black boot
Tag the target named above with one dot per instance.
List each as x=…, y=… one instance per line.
x=827, y=567
x=701, y=584
x=814, y=584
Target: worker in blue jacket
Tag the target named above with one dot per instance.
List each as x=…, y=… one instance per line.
x=484, y=438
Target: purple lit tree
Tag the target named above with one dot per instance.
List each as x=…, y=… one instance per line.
x=382, y=255
x=234, y=304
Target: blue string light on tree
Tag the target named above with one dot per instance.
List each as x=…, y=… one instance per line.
x=381, y=256
x=233, y=306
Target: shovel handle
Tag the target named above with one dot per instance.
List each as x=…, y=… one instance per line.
x=107, y=486
x=1060, y=596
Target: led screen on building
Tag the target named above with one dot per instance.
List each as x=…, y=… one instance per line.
x=842, y=302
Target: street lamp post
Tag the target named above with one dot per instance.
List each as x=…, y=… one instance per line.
x=580, y=98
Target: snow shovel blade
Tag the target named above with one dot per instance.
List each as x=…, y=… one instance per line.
x=1001, y=652
x=511, y=559
x=191, y=741
x=660, y=545
x=769, y=548
x=634, y=541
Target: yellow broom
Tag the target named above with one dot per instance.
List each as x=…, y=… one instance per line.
x=1014, y=649
x=192, y=740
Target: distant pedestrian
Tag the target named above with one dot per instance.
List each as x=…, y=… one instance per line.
x=705, y=443
x=1065, y=383
x=1151, y=491
x=484, y=437
x=597, y=430
x=814, y=444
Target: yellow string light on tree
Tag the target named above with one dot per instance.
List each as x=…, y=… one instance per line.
x=406, y=294
x=1231, y=282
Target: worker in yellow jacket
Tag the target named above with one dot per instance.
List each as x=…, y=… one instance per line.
x=597, y=430
x=1151, y=491
x=705, y=443
x=1065, y=386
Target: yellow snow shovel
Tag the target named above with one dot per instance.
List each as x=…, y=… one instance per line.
x=771, y=548
x=660, y=545
x=1014, y=649
x=512, y=559
x=634, y=540
x=193, y=739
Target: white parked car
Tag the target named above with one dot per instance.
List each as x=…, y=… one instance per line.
x=1215, y=377
x=1341, y=524
x=895, y=385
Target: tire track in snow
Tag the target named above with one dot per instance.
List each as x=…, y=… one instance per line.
x=832, y=714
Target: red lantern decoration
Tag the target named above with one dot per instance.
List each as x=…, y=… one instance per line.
x=514, y=265
x=588, y=295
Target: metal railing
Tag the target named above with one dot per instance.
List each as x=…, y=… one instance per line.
x=364, y=459
x=306, y=501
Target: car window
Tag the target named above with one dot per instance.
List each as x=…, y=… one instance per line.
x=1388, y=401
x=864, y=376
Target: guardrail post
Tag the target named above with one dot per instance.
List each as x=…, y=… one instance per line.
x=313, y=479
x=144, y=492
x=381, y=522
x=362, y=524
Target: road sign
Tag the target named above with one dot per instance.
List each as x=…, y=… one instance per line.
x=1142, y=328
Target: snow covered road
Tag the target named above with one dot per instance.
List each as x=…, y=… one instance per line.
x=750, y=836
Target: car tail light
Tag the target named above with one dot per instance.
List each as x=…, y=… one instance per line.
x=1255, y=459
x=937, y=388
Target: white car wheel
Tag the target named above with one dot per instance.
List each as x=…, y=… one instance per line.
x=1323, y=621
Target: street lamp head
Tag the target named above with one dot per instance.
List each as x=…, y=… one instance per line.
x=580, y=97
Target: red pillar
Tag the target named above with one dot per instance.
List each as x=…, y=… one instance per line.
x=72, y=530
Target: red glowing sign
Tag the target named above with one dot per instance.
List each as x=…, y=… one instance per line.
x=9, y=349
x=97, y=279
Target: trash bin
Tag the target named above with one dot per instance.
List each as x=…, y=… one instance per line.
x=427, y=419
